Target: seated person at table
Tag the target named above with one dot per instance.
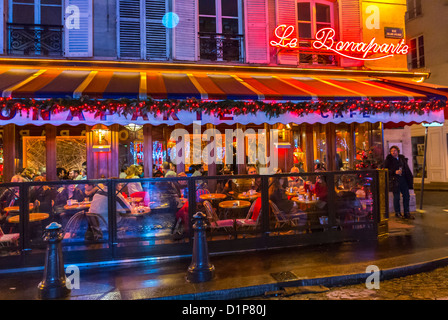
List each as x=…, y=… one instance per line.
x=182, y=214
x=168, y=170
x=318, y=167
x=296, y=181
x=225, y=186
x=67, y=192
x=42, y=196
x=90, y=190
x=278, y=196
x=133, y=187
x=244, y=185
x=100, y=206
x=320, y=188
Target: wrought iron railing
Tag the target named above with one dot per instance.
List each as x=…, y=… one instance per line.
x=221, y=47
x=35, y=40
x=153, y=217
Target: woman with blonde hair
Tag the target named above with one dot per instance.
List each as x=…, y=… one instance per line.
x=131, y=173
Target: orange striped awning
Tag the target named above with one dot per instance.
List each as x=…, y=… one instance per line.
x=47, y=83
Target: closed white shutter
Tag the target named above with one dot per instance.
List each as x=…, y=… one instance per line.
x=156, y=32
x=129, y=31
x=286, y=13
x=78, y=28
x=186, y=32
x=256, y=25
x=351, y=30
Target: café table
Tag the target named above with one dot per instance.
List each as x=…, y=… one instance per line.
x=139, y=213
x=136, y=212
x=33, y=217
x=78, y=206
x=212, y=196
x=294, y=194
x=16, y=209
x=236, y=206
x=310, y=208
x=249, y=196
x=304, y=202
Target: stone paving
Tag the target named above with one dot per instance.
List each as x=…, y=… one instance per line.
x=432, y=285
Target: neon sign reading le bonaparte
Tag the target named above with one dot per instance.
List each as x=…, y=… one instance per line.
x=324, y=40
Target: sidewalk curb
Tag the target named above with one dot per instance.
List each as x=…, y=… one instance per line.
x=331, y=281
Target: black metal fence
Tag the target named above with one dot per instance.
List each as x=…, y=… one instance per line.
x=122, y=218
x=35, y=40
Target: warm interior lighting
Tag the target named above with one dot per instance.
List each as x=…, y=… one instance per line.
x=419, y=80
x=100, y=130
x=133, y=127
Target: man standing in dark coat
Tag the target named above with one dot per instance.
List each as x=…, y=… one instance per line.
x=400, y=180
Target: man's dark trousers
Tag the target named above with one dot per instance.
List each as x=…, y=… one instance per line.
x=404, y=190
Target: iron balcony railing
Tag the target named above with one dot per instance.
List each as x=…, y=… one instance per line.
x=35, y=40
x=158, y=218
x=221, y=47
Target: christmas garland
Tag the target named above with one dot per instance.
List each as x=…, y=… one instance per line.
x=127, y=107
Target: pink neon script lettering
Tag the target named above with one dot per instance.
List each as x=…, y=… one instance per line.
x=325, y=41
x=283, y=33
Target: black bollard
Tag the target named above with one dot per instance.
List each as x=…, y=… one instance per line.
x=54, y=283
x=200, y=269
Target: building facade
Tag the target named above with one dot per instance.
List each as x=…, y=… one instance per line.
x=101, y=85
x=426, y=30
x=357, y=39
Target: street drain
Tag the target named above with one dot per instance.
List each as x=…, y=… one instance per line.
x=284, y=276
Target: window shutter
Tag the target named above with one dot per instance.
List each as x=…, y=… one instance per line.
x=129, y=29
x=351, y=28
x=186, y=32
x=78, y=36
x=156, y=32
x=286, y=13
x=256, y=24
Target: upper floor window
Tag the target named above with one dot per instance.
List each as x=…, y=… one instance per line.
x=414, y=8
x=35, y=27
x=220, y=30
x=141, y=33
x=417, y=53
x=45, y=12
x=312, y=16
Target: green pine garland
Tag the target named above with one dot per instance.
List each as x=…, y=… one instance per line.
x=127, y=107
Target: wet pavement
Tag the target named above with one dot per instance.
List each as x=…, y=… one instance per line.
x=431, y=285
x=413, y=248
